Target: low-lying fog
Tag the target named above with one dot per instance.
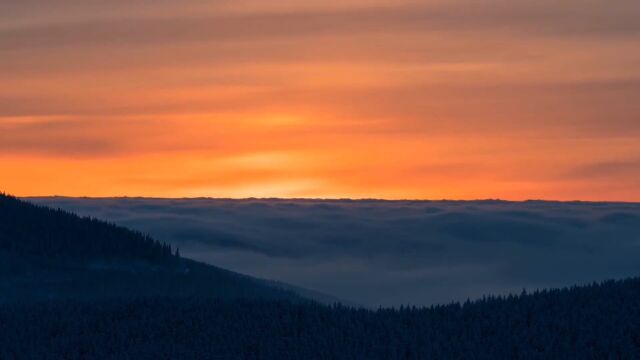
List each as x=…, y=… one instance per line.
x=392, y=252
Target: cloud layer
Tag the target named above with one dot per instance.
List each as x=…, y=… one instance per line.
x=391, y=253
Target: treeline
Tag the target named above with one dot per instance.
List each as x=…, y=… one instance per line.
x=599, y=321
x=36, y=230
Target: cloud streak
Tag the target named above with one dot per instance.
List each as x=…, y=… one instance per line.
x=542, y=18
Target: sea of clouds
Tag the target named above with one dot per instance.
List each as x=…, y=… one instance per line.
x=375, y=252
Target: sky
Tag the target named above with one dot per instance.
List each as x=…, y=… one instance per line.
x=431, y=99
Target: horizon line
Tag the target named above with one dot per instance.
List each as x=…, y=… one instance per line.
x=331, y=199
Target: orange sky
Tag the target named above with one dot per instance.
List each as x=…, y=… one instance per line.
x=360, y=98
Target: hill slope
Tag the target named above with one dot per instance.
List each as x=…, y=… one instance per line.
x=52, y=254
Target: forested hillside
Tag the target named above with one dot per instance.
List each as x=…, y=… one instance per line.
x=601, y=321
x=37, y=230
x=48, y=254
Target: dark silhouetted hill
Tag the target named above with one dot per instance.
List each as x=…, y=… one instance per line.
x=48, y=254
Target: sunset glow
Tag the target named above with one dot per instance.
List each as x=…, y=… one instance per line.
x=359, y=98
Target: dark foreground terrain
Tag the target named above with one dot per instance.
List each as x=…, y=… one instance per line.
x=79, y=288
x=593, y=322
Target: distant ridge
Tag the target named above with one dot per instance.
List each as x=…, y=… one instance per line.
x=339, y=199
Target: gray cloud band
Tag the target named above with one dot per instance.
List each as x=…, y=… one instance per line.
x=417, y=252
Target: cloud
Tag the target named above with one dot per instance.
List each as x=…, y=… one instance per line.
x=392, y=252
x=568, y=19
x=622, y=219
x=81, y=137
x=53, y=137
x=479, y=228
x=607, y=169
